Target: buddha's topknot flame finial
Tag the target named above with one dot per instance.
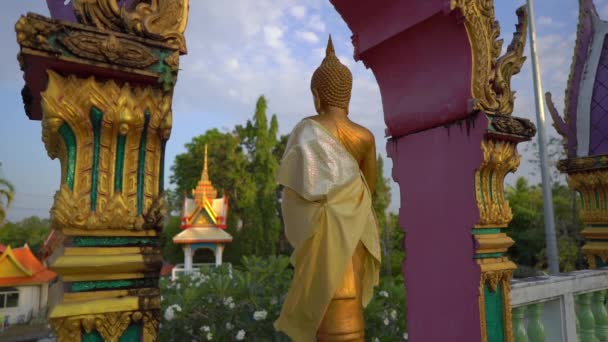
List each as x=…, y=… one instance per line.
x=332, y=80
x=329, y=50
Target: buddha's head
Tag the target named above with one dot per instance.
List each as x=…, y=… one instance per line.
x=331, y=83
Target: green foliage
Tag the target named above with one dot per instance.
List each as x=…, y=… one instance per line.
x=261, y=224
x=381, y=198
x=7, y=193
x=172, y=253
x=527, y=226
x=32, y=230
x=220, y=302
x=397, y=244
x=385, y=315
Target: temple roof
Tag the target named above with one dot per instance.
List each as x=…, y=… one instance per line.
x=199, y=235
x=205, y=209
x=19, y=266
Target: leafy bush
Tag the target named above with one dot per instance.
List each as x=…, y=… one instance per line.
x=225, y=304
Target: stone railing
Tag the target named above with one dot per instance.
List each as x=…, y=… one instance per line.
x=180, y=269
x=569, y=307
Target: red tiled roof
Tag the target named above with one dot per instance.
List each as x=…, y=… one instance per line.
x=25, y=259
x=166, y=269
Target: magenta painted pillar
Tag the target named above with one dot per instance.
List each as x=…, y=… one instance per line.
x=447, y=105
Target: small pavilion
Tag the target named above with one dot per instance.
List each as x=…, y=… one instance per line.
x=203, y=222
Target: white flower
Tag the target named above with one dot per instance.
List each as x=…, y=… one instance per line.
x=162, y=298
x=405, y=336
x=229, y=302
x=170, y=312
x=229, y=326
x=231, y=305
x=394, y=314
x=383, y=294
x=209, y=336
x=260, y=315
x=240, y=335
x=375, y=339
x=205, y=328
x=386, y=321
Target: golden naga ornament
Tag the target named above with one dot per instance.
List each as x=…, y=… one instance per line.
x=157, y=19
x=491, y=75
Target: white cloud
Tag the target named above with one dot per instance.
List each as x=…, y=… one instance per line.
x=298, y=11
x=545, y=20
x=308, y=36
x=232, y=64
x=316, y=23
x=273, y=35
x=549, y=22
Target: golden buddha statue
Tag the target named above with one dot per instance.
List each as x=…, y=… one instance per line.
x=328, y=173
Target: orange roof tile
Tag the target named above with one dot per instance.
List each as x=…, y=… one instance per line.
x=23, y=259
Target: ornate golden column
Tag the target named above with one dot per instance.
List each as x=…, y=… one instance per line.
x=589, y=177
x=499, y=157
x=103, y=90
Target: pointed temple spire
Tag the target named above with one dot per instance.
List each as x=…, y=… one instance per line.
x=204, y=189
x=205, y=174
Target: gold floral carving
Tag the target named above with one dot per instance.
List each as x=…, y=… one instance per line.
x=163, y=20
x=592, y=187
x=34, y=33
x=593, y=251
x=123, y=108
x=109, y=325
x=108, y=49
x=73, y=212
x=499, y=158
x=491, y=75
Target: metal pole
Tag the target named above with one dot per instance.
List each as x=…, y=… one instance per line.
x=552, y=256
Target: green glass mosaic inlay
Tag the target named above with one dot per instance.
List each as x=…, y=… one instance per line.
x=488, y=255
x=82, y=286
x=141, y=168
x=93, y=336
x=481, y=231
x=599, y=262
x=120, y=162
x=70, y=143
x=132, y=333
x=96, y=116
x=86, y=241
x=494, y=314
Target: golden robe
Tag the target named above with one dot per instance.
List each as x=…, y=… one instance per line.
x=327, y=210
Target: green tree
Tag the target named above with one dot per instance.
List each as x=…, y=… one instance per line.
x=32, y=230
x=172, y=253
x=7, y=193
x=381, y=199
x=261, y=226
x=527, y=226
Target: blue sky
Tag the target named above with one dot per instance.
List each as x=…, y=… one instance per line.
x=240, y=49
